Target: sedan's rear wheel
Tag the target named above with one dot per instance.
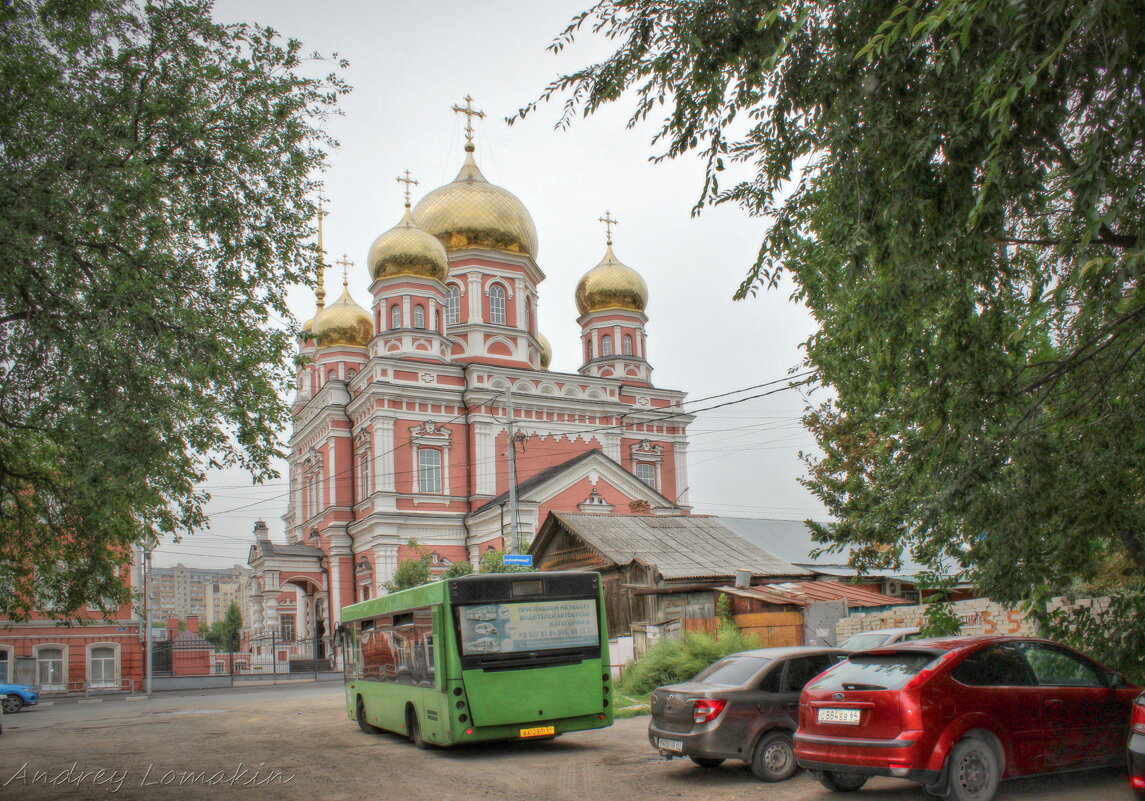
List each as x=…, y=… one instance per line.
x=838, y=782
x=12, y=704
x=707, y=762
x=774, y=757
x=973, y=771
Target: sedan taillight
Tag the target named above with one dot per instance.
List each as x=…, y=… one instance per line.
x=707, y=709
x=1137, y=719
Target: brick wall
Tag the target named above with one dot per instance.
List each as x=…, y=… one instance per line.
x=978, y=616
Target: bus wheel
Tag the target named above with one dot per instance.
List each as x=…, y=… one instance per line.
x=360, y=714
x=415, y=731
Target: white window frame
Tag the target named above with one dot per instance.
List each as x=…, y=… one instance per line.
x=627, y=346
x=452, y=305
x=429, y=476
x=419, y=316
x=497, y=312
x=8, y=660
x=364, y=476
x=104, y=683
x=62, y=678
x=646, y=472
x=606, y=345
x=395, y=316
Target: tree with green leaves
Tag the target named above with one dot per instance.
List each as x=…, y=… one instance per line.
x=157, y=180
x=224, y=634
x=954, y=189
x=412, y=571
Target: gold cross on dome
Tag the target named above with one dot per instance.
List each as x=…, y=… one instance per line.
x=608, y=221
x=345, y=264
x=469, y=113
x=409, y=182
x=320, y=291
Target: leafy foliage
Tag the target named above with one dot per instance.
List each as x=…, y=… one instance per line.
x=1108, y=630
x=494, y=562
x=155, y=170
x=955, y=189
x=670, y=661
x=413, y=571
x=224, y=634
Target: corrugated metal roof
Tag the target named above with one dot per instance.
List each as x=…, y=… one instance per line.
x=793, y=541
x=804, y=593
x=679, y=546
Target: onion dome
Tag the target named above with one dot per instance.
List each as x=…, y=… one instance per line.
x=611, y=285
x=546, y=350
x=473, y=213
x=407, y=250
x=343, y=323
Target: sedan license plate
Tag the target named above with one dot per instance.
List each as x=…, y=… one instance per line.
x=539, y=731
x=828, y=715
x=670, y=745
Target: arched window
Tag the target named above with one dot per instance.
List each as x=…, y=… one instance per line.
x=497, y=304
x=627, y=345
x=429, y=470
x=418, y=317
x=101, y=670
x=587, y=350
x=395, y=316
x=646, y=472
x=452, y=305
x=606, y=345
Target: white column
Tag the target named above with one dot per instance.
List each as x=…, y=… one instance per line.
x=519, y=302
x=474, y=292
x=486, y=458
x=681, y=451
x=384, y=455
x=301, y=627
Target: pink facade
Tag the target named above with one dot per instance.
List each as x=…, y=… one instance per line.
x=82, y=655
x=402, y=431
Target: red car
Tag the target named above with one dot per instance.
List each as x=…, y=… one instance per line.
x=960, y=714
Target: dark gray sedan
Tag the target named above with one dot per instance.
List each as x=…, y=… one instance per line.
x=744, y=706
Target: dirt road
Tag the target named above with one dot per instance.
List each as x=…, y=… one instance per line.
x=296, y=743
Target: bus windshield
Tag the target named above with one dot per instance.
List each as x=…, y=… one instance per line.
x=520, y=626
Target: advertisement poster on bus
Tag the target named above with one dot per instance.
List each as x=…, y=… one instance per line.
x=539, y=625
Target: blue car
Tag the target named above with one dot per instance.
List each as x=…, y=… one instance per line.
x=14, y=697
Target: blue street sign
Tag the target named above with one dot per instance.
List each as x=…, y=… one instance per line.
x=521, y=559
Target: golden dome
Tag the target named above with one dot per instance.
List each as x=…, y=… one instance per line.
x=611, y=285
x=343, y=322
x=546, y=350
x=407, y=250
x=473, y=213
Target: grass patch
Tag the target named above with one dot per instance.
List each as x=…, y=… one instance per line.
x=631, y=706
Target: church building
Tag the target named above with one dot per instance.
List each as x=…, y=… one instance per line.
x=421, y=411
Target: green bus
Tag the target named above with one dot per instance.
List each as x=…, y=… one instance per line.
x=498, y=656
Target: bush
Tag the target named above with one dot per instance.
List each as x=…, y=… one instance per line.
x=672, y=661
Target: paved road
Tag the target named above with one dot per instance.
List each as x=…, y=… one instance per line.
x=296, y=743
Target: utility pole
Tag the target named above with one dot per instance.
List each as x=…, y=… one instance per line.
x=514, y=535
x=147, y=621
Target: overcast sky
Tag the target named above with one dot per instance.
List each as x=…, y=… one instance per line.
x=409, y=63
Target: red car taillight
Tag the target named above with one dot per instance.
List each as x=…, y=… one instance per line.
x=1137, y=719
x=707, y=709
x=928, y=671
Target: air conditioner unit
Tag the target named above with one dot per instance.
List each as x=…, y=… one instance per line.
x=892, y=587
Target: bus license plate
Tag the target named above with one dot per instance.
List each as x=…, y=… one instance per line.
x=838, y=715
x=539, y=731
x=670, y=745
